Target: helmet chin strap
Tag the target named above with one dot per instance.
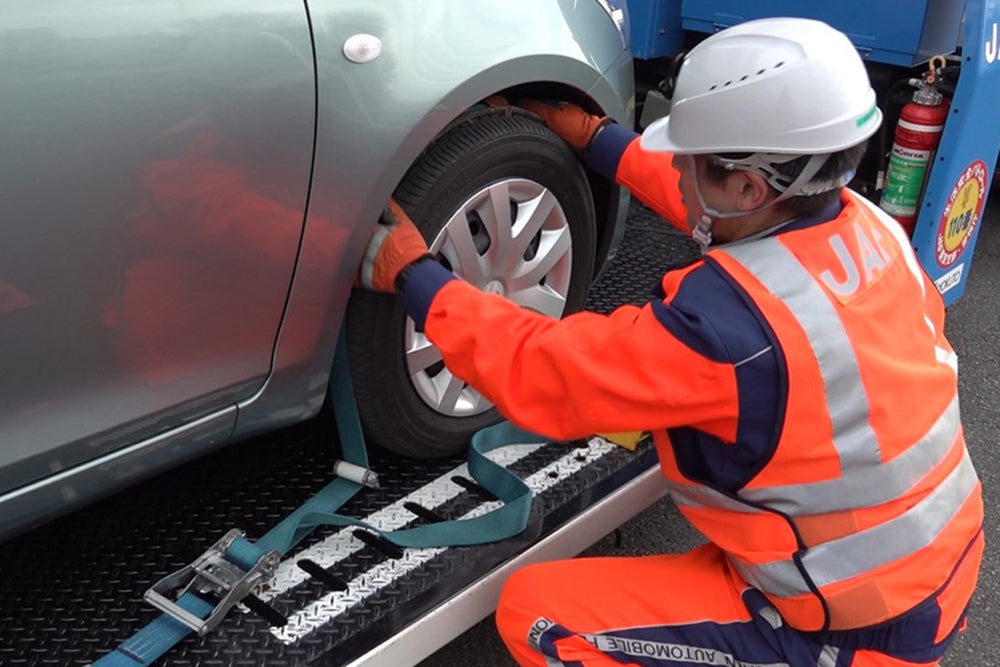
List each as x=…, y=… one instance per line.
x=702, y=232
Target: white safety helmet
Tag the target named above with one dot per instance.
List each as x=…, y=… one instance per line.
x=776, y=85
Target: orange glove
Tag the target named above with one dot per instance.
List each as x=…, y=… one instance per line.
x=572, y=123
x=497, y=102
x=395, y=244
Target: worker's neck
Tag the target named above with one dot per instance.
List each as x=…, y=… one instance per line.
x=727, y=230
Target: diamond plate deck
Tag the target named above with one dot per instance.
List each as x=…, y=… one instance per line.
x=73, y=588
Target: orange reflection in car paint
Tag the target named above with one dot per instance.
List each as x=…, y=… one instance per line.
x=13, y=298
x=178, y=312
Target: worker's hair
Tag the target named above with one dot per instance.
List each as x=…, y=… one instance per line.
x=838, y=164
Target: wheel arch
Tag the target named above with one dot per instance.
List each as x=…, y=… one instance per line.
x=563, y=79
x=553, y=77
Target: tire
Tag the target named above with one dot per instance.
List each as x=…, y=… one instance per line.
x=408, y=401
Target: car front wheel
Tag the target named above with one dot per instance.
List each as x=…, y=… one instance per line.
x=506, y=206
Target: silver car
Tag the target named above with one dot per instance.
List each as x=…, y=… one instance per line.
x=188, y=188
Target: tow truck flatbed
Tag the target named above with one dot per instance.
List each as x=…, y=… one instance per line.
x=73, y=588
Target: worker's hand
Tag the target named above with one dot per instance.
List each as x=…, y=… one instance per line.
x=572, y=123
x=395, y=244
x=496, y=102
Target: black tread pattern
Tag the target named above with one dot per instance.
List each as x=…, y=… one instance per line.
x=449, y=147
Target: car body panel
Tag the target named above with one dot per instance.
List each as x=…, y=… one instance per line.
x=151, y=218
x=194, y=188
x=32, y=504
x=617, y=83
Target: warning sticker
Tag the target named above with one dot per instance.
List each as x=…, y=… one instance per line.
x=950, y=279
x=961, y=214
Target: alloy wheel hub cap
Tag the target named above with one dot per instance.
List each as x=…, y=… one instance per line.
x=495, y=287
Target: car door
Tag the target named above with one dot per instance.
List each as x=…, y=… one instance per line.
x=155, y=161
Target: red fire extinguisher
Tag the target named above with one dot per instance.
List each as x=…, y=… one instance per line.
x=916, y=138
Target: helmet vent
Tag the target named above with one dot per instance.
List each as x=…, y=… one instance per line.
x=715, y=86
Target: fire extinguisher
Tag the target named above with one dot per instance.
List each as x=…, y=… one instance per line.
x=916, y=137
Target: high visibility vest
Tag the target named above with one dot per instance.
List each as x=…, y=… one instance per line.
x=870, y=499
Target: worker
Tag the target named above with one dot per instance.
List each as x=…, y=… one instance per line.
x=795, y=378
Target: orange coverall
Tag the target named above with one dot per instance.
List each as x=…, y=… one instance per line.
x=777, y=376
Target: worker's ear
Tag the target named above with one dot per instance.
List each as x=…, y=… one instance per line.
x=748, y=190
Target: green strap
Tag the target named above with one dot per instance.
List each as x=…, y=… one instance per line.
x=505, y=521
x=297, y=525
x=159, y=636
x=501, y=523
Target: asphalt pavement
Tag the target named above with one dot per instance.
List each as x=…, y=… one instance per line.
x=973, y=326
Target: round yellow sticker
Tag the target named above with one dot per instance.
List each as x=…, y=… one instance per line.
x=961, y=213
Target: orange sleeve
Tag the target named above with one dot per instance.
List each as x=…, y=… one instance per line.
x=653, y=180
x=584, y=374
x=616, y=152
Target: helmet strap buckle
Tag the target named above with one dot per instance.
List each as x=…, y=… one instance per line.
x=702, y=232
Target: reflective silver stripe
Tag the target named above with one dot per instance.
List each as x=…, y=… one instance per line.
x=946, y=357
x=870, y=486
x=658, y=652
x=861, y=552
x=828, y=657
x=538, y=630
x=862, y=488
x=703, y=496
x=781, y=273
